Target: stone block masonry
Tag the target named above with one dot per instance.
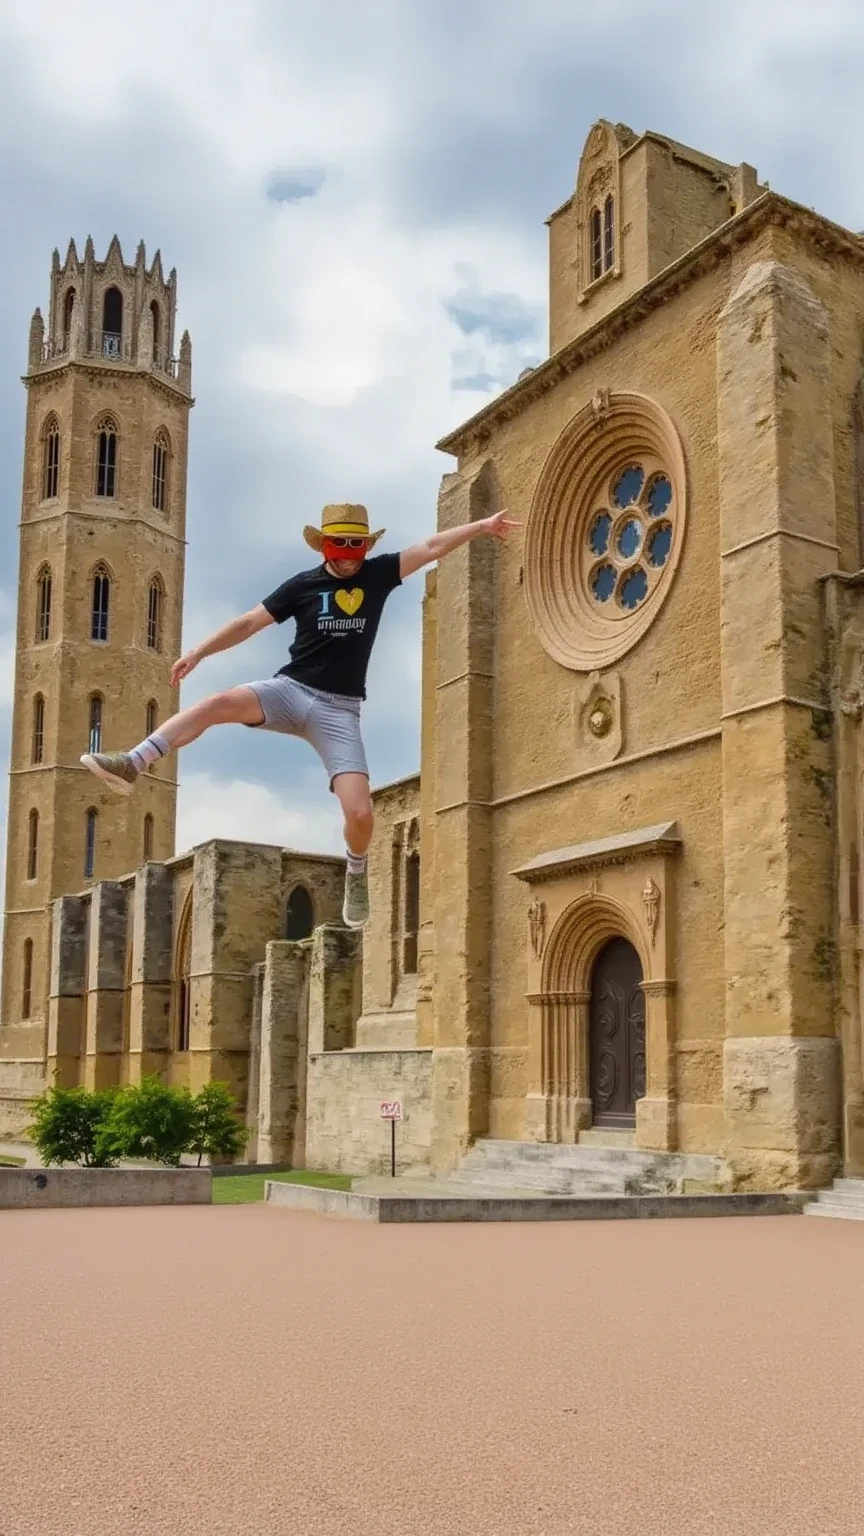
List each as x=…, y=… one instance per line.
x=344, y=1129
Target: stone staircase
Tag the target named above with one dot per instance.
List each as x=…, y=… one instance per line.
x=603, y=1166
x=845, y=1199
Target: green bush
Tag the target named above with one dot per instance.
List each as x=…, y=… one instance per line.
x=216, y=1131
x=68, y=1126
x=150, y=1120
x=146, y=1120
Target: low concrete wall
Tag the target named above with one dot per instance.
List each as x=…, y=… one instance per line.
x=34, y=1188
x=344, y=1129
x=457, y=1208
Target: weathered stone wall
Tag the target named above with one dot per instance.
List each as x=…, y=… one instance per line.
x=344, y=1129
x=282, y=1082
x=335, y=988
x=428, y=818
x=389, y=992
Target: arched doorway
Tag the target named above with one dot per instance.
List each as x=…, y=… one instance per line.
x=299, y=914
x=616, y=1035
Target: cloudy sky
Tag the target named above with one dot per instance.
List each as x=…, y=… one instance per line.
x=353, y=194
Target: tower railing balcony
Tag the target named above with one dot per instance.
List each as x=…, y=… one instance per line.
x=163, y=362
x=108, y=346
x=54, y=347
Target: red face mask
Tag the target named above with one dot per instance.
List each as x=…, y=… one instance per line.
x=343, y=549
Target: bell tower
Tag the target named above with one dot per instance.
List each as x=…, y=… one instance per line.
x=100, y=599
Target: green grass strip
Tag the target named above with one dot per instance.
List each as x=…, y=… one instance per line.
x=246, y=1188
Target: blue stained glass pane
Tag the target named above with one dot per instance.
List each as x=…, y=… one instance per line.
x=659, y=496
x=603, y=583
x=633, y=588
x=630, y=538
x=598, y=538
x=628, y=485
x=659, y=544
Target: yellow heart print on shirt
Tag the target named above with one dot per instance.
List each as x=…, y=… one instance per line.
x=349, y=602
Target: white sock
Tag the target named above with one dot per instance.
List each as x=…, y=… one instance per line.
x=150, y=750
x=356, y=862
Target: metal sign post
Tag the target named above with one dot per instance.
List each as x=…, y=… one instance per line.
x=391, y=1109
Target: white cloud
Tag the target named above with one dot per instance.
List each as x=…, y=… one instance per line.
x=247, y=812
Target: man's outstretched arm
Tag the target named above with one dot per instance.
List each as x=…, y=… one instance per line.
x=231, y=634
x=441, y=544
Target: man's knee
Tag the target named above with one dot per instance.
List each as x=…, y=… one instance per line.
x=356, y=801
x=233, y=705
x=362, y=817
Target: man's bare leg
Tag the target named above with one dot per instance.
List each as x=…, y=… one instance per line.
x=354, y=795
x=234, y=706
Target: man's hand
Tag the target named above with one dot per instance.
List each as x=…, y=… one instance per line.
x=442, y=544
x=500, y=525
x=183, y=667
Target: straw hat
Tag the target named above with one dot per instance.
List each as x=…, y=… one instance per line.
x=341, y=520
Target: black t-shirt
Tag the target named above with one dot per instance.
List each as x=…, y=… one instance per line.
x=337, y=621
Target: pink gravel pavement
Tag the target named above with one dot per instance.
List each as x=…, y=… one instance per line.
x=235, y=1370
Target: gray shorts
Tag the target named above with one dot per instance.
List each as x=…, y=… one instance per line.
x=330, y=722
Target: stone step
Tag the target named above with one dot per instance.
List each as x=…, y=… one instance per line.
x=546, y=1181
x=835, y=1210
x=844, y=1200
x=569, y=1170
x=598, y=1138
x=622, y=1161
x=838, y=1196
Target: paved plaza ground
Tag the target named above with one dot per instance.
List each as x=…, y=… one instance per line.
x=245, y=1371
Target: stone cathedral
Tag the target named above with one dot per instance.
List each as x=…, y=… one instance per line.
x=623, y=896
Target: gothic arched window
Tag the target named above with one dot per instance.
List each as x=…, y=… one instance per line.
x=27, y=980
x=596, y=244
x=90, y=842
x=50, y=458
x=112, y=323
x=411, y=914
x=33, y=845
x=95, y=735
x=38, y=739
x=299, y=914
x=100, y=603
x=155, y=607
x=68, y=311
x=157, y=331
x=152, y=720
x=608, y=233
x=43, y=604
x=602, y=236
x=148, y=838
x=106, y=457
x=182, y=978
x=160, y=471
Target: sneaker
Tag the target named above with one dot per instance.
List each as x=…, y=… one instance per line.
x=355, y=907
x=116, y=768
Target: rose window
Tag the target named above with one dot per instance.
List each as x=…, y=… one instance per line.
x=606, y=531
x=629, y=539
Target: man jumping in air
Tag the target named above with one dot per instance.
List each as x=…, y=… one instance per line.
x=337, y=607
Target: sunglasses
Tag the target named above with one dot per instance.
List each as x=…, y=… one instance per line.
x=341, y=542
